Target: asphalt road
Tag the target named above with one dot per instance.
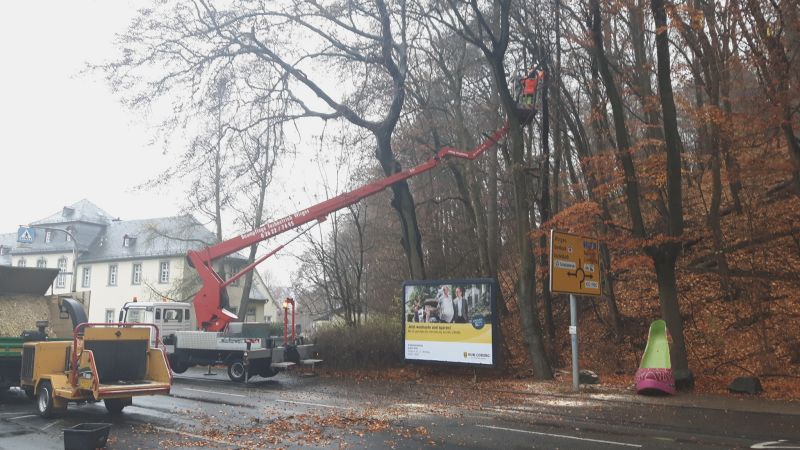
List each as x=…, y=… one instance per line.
x=289, y=411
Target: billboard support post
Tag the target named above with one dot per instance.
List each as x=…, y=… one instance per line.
x=573, y=331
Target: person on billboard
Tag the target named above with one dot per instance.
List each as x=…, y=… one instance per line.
x=419, y=312
x=445, y=306
x=460, y=308
x=429, y=310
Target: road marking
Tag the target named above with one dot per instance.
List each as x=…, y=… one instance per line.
x=562, y=436
x=50, y=425
x=191, y=435
x=214, y=392
x=23, y=417
x=771, y=444
x=314, y=404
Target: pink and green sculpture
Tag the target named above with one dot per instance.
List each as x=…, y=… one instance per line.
x=654, y=375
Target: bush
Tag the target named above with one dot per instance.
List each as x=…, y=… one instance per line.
x=374, y=344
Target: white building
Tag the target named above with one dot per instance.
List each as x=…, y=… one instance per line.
x=119, y=260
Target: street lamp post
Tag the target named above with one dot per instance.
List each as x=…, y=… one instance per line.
x=74, y=253
x=286, y=303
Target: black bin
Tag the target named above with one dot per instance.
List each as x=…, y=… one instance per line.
x=86, y=436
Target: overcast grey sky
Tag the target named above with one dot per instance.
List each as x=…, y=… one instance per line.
x=65, y=136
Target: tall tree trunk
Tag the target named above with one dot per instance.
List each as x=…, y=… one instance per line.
x=623, y=139
x=557, y=125
x=470, y=189
x=666, y=255
x=582, y=147
x=262, y=183
x=544, y=207
x=642, y=77
x=403, y=204
x=492, y=211
x=526, y=279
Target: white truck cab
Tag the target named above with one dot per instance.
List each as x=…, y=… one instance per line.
x=170, y=317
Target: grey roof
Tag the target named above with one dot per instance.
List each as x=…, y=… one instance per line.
x=100, y=238
x=167, y=236
x=84, y=234
x=81, y=211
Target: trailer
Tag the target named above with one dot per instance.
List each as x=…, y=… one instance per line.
x=10, y=361
x=22, y=296
x=107, y=362
x=246, y=349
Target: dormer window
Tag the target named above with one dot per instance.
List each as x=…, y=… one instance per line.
x=128, y=241
x=68, y=211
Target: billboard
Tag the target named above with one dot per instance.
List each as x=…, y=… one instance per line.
x=450, y=321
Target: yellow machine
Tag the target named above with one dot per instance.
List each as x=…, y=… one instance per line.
x=109, y=362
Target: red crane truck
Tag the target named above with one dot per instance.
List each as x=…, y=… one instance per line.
x=221, y=340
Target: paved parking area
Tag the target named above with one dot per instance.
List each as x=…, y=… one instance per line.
x=291, y=411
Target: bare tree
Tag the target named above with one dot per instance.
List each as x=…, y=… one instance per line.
x=491, y=34
x=364, y=41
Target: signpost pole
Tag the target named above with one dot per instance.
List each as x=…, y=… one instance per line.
x=573, y=331
x=574, y=269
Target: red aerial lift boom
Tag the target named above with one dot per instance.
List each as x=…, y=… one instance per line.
x=210, y=314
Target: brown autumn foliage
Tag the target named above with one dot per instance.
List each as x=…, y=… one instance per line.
x=640, y=98
x=743, y=320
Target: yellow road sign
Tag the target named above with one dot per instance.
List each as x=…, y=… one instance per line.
x=574, y=264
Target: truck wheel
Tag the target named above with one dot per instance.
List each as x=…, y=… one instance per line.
x=45, y=402
x=177, y=365
x=236, y=370
x=114, y=405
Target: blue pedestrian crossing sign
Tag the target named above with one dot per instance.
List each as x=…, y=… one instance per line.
x=25, y=235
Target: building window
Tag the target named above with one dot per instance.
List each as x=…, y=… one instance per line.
x=48, y=236
x=3, y=250
x=109, y=315
x=251, y=314
x=268, y=319
x=41, y=263
x=234, y=270
x=69, y=236
x=128, y=241
x=62, y=267
x=112, y=275
x=86, y=280
x=163, y=272
x=22, y=263
x=136, y=278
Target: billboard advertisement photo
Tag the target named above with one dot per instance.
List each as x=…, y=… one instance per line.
x=450, y=321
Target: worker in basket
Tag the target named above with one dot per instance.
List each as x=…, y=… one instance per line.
x=526, y=106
